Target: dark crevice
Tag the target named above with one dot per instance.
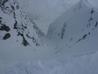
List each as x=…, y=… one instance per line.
x=96, y=24
x=63, y=31
x=0, y=18
x=6, y=36
x=91, y=18
x=15, y=25
x=0, y=21
x=33, y=39
x=14, y=15
x=20, y=32
x=4, y=28
x=12, y=7
x=92, y=11
x=83, y=37
x=25, y=42
x=4, y=1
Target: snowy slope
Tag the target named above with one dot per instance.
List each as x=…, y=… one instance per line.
x=23, y=43
x=15, y=22
x=76, y=30
x=44, y=12
x=94, y=3
x=19, y=37
x=87, y=64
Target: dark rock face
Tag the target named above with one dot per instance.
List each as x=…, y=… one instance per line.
x=4, y=28
x=3, y=2
x=6, y=36
x=63, y=31
x=25, y=42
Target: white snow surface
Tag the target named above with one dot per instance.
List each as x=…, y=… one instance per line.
x=87, y=64
x=41, y=60
x=94, y=3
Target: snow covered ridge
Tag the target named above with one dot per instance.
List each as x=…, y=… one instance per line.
x=76, y=29
x=14, y=22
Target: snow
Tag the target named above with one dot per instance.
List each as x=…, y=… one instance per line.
x=87, y=64
x=45, y=12
x=52, y=57
x=94, y=3
x=69, y=30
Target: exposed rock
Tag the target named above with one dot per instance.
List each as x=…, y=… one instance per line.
x=21, y=23
x=4, y=28
x=6, y=36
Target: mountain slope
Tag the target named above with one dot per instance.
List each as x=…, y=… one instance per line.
x=76, y=30
x=74, y=33
x=14, y=23
x=19, y=37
